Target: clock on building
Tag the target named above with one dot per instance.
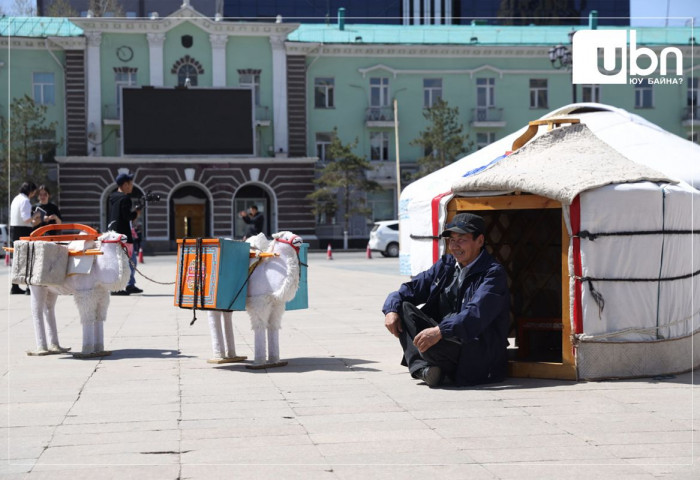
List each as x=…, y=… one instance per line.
x=125, y=53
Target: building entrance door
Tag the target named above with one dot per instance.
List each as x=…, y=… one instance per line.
x=189, y=220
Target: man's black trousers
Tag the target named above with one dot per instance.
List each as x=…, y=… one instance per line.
x=444, y=354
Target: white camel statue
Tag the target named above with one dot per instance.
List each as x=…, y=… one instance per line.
x=91, y=292
x=273, y=282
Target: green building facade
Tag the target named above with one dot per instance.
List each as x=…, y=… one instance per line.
x=306, y=80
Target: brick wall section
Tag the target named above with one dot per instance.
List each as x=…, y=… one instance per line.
x=85, y=184
x=296, y=104
x=76, y=131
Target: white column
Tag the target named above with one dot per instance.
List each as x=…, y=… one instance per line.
x=438, y=12
x=94, y=94
x=155, y=57
x=218, y=57
x=279, y=94
x=426, y=12
x=448, y=13
x=416, y=12
x=406, y=12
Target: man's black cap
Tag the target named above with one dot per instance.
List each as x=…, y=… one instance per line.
x=123, y=177
x=465, y=223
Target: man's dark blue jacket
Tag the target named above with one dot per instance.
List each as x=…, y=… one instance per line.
x=482, y=321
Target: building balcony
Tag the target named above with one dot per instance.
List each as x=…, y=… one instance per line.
x=489, y=117
x=262, y=116
x=691, y=116
x=111, y=114
x=379, y=116
x=382, y=172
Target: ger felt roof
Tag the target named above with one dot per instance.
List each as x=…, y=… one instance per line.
x=38, y=27
x=470, y=34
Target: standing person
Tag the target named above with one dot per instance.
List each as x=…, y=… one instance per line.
x=21, y=220
x=122, y=213
x=462, y=330
x=254, y=219
x=49, y=212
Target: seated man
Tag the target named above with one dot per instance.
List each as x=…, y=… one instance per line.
x=461, y=332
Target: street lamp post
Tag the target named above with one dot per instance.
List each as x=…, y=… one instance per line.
x=561, y=57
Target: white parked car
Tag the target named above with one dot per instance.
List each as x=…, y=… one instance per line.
x=384, y=238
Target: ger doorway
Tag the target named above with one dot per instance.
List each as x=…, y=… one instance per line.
x=190, y=211
x=246, y=196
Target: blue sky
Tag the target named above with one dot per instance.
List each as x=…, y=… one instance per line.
x=643, y=12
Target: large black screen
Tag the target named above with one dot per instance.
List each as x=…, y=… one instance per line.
x=187, y=121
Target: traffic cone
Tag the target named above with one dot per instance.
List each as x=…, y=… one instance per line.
x=369, y=252
x=140, y=255
x=329, y=252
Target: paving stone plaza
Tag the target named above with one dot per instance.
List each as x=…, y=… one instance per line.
x=343, y=408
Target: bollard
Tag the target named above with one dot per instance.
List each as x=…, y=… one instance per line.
x=329, y=252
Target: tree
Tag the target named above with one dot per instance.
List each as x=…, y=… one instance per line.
x=27, y=141
x=443, y=140
x=344, y=179
x=61, y=8
x=104, y=8
x=543, y=12
x=23, y=8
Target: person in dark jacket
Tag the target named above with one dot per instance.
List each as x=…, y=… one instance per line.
x=254, y=219
x=121, y=214
x=461, y=331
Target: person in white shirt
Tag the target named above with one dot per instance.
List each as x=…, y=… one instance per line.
x=21, y=220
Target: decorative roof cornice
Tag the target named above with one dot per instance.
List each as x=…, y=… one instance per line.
x=184, y=15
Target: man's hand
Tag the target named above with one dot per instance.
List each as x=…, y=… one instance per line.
x=427, y=338
x=392, y=322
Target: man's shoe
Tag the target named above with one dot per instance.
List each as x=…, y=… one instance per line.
x=15, y=290
x=120, y=293
x=432, y=376
x=133, y=289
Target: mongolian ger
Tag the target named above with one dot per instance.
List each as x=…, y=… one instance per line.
x=262, y=276
x=592, y=211
x=88, y=266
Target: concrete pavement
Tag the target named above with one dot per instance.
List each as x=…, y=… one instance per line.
x=342, y=409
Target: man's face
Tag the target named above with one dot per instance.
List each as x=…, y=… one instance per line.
x=464, y=247
x=127, y=187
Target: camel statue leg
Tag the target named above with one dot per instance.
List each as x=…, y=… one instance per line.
x=222, y=341
x=50, y=319
x=273, y=338
x=102, y=297
x=216, y=336
x=87, y=303
x=38, y=301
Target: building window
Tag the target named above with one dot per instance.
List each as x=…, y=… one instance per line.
x=379, y=92
x=187, y=75
x=323, y=92
x=432, y=91
x=382, y=204
x=123, y=77
x=44, y=88
x=692, y=83
x=187, y=70
x=379, y=146
x=323, y=141
x=484, y=138
x=590, y=93
x=485, y=92
x=643, y=94
x=251, y=79
x=538, y=93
